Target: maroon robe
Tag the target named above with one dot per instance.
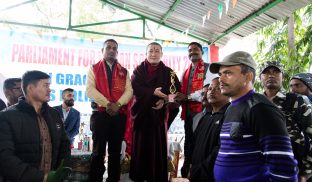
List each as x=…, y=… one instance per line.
x=149, y=147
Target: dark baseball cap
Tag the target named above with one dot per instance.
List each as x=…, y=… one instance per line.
x=275, y=64
x=236, y=58
x=306, y=78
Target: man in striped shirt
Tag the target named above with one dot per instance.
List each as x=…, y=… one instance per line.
x=255, y=145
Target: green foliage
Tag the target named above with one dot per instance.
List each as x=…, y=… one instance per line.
x=59, y=174
x=273, y=45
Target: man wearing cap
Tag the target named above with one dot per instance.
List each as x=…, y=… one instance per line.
x=297, y=111
x=301, y=83
x=255, y=145
x=191, y=97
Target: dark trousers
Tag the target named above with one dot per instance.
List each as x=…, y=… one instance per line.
x=106, y=129
x=188, y=149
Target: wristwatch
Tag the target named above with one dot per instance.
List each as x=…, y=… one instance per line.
x=118, y=104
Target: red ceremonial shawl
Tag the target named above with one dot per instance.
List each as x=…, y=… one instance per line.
x=119, y=76
x=197, y=84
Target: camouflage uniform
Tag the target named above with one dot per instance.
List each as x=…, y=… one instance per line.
x=298, y=113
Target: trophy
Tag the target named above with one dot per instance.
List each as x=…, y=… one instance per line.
x=172, y=88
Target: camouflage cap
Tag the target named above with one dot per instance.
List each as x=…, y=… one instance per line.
x=275, y=64
x=306, y=78
x=236, y=58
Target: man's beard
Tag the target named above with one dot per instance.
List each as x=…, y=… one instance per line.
x=195, y=57
x=273, y=86
x=111, y=59
x=69, y=103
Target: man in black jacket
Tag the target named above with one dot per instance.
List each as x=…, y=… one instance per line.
x=207, y=134
x=32, y=136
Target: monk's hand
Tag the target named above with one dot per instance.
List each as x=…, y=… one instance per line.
x=158, y=93
x=180, y=97
x=159, y=104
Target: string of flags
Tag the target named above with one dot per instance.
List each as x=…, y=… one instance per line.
x=226, y=2
x=222, y=5
x=220, y=8
x=234, y=3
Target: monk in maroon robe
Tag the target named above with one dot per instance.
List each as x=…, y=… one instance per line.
x=151, y=82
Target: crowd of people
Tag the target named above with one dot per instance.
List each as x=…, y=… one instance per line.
x=232, y=133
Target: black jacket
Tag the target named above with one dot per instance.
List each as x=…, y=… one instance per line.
x=2, y=105
x=20, y=146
